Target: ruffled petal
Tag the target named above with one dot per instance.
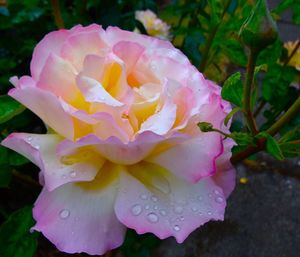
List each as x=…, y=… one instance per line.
x=79, y=217
x=82, y=165
x=47, y=106
x=195, y=158
x=153, y=200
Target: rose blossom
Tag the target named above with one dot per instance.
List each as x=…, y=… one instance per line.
x=126, y=150
x=154, y=26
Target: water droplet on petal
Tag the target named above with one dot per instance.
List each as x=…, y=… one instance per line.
x=181, y=218
x=219, y=199
x=216, y=192
x=154, y=198
x=147, y=207
x=199, y=198
x=194, y=209
x=209, y=213
x=144, y=197
x=176, y=228
x=152, y=217
x=73, y=174
x=163, y=212
x=37, y=147
x=155, y=207
x=178, y=209
x=161, y=183
x=136, y=210
x=64, y=213
x=29, y=138
x=64, y=176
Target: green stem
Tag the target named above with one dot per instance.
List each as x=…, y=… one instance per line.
x=57, y=14
x=284, y=119
x=247, y=94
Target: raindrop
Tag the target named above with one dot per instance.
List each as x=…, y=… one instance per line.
x=155, y=207
x=37, y=147
x=64, y=213
x=136, y=210
x=163, y=212
x=219, y=199
x=144, y=197
x=209, y=213
x=178, y=209
x=181, y=218
x=73, y=174
x=147, y=207
x=216, y=192
x=176, y=228
x=154, y=198
x=194, y=209
x=152, y=217
x=161, y=183
x=29, y=138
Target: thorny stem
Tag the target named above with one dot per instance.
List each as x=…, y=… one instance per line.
x=57, y=14
x=284, y=119
x=247, y=94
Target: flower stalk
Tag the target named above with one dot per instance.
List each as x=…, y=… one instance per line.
x=57, y=14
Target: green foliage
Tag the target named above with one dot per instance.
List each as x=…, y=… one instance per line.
x=15, y=238
x=205, y=126
x=9, y=108
x=232, y=89
x=272, y=147
x=5, y=172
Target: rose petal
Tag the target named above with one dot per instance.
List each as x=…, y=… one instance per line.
x=197, y=157
x=80, y=218
x=47, y=106
x=152, y=200
x=41, y=150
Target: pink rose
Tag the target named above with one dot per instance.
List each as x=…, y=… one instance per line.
x=126, y=151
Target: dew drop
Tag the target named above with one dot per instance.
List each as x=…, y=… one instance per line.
x=152, y=217
x=155, y=207
x=176, y=228
x=161, y=184
x=37, y=147
x=73, y=174
x=147, y=207
x=194, y=209
x=64, y=214
x=216, y=192
x=154, y=198
x=181, y=218
x=29, y=138
x=163, y=212
x=178, y=209
x=219, y=199
x=209, y=213
x=144, y=197
x=136, y=210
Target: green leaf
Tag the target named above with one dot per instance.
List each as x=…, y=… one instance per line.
x=272, y=147
x=15, y=238
x=243, y=139
x=229, y=115
x=205, y=126
x=16, y=159
x=5, y=172
x=232, y=89
x=290, y=149
x=9, y=108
